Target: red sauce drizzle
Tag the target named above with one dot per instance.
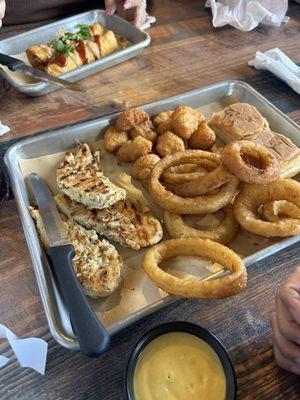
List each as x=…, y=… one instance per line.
x=97, y=40
x=61, y=60
x=80, y=48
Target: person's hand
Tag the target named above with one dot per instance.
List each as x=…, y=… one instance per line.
x=286, y=324
x=2, y=11
x=131, y=10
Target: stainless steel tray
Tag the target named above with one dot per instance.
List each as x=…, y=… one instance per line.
x=45, y=34
x=64, y=139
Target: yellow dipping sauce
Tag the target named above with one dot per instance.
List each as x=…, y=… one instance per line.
x=179, y=366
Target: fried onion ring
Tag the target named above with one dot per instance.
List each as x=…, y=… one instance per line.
x=252, y=197
x=203, y=184
x=143, y=166
x=225, y=286
x=274, y=210
x=236, y=155
x=203, y=204
x=224, y=233
x=188, y=172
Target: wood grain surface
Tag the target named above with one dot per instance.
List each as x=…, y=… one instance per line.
x=186, y=53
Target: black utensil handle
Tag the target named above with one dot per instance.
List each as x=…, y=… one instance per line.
x=12, y=63
x=92, y=336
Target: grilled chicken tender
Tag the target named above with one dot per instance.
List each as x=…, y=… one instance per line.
x=96, y=263
x=127, y=222
x=80, y=178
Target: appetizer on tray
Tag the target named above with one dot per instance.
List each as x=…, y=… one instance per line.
x=72, y=50
x=206, y=193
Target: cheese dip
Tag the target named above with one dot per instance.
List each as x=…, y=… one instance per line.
x=181, y=366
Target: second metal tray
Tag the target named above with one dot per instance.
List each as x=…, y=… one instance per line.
x=45, y=34
x=65, y=138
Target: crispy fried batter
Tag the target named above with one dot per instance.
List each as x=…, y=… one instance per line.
x=185, y=120
x=131, y=118
x=114, y=139
x=169, y=143
x=163, y=122
x=145, y=130
x=143, y=166
x=163, y=117
x=134, y=149
x=203, y=138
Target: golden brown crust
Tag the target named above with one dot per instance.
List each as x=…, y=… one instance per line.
x=142, y=167
x=134, y=149
x=169, y=143
x=131, y=118
x=223, y=233
x=228, y=285
x=145, y=130
x=114, y=139
x=203, y=138
x=163, y=117
x=185, y=121
x=252, y=196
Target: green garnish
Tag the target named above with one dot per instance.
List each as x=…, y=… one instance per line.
x=61, y=47
x=64, y=45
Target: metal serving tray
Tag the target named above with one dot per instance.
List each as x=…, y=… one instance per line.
x=65, y=138
x=46, y=33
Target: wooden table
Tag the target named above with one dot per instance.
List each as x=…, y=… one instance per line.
x=186, y=53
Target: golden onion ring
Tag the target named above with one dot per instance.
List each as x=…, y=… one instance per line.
x=188, y=172
x=274, y=210
x=224, y=233
x=225, y=286
x=211, y=181
x=234, y=155
x=252, y=196
x=204, y=204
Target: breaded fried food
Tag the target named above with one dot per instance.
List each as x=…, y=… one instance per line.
x=134, y=149
x=185, y=121
x=96, y=263
x=169, y=143
x=114, y=139
x=163, y=117
x=80, y=178
x=145, y=130
x=163, y=122
x=203, y=138
x=131, y=118
x=127, y=222
x=142, y=167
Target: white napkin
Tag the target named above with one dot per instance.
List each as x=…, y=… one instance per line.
x=245, y=15
x=30, y=352
x=3, y=129
x=279, y=64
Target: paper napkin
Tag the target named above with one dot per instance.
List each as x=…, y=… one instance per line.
x=30, y=352
x=279, y=64
x=245, y=15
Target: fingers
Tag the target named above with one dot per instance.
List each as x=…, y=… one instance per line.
x=140, y=17
x=2, y=10
x=139, y=12
x=284, y=362
x=285, y=322
x=110, y=6
x=288, y=349
x=290, y=294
